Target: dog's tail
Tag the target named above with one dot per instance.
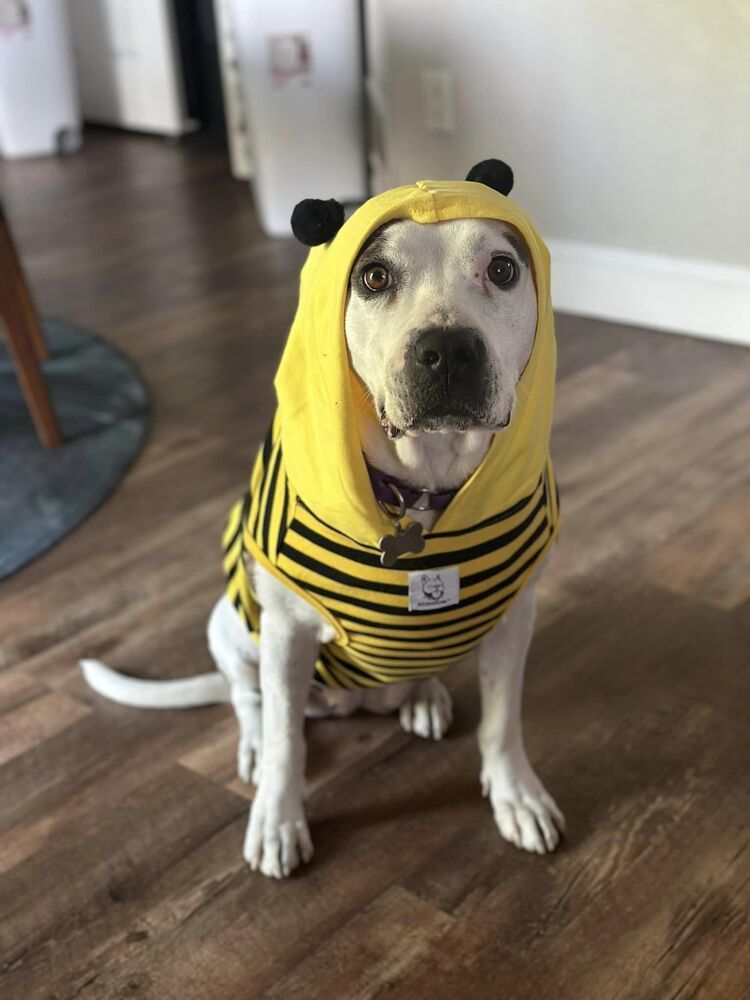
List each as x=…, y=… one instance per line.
x=190, y=692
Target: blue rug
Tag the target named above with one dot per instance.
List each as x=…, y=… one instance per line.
x=102, y=406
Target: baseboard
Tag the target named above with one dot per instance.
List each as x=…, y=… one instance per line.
x=694, y=297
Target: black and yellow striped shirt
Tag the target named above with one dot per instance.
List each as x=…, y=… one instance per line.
x=378, y=639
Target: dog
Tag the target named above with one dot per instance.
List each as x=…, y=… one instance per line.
x=440, y=324
x=433, y=588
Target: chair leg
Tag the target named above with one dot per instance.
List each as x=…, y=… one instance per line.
x=31, y=378
x=31, y=319
x=18, y=283
x=25, y=339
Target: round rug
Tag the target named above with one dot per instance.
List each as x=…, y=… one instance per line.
x=101, y=404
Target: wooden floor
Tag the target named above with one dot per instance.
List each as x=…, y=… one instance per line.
x=121, y=830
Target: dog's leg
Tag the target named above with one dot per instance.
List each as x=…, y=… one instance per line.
x=277, y=836
x=247, y=706
x=236, y=655
x=427, y=710
x=525, y=813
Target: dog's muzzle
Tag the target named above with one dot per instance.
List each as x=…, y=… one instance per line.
x=446, y=377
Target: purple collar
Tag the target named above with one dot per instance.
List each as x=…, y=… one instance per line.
x=416, y=499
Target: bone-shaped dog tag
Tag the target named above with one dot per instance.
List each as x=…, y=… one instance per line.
x=405, y=540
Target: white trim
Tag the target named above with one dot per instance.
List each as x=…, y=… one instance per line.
x=240, y=157
x=694, y=297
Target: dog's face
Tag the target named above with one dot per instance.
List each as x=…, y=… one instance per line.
x=433, y=587
x=440, y=323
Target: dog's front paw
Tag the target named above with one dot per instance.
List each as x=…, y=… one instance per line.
x=277, y=838
x=525, y=813
x=428, y=711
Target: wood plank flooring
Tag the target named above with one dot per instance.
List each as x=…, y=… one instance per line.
x=121, y=830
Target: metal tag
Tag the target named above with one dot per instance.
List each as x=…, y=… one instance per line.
x=405, y=540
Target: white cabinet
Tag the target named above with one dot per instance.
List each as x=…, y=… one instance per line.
x=39, y=112
x=128, y=64
x=301, y=77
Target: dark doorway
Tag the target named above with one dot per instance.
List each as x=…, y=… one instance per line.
x=199, y=49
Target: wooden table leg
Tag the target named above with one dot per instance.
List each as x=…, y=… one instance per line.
x=25, y=340
x=31, y=318
x=32, y=383
x=10, y=259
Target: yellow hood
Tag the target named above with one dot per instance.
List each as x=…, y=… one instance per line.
x=319, y=397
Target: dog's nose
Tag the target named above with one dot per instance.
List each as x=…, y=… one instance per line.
x=450, y=352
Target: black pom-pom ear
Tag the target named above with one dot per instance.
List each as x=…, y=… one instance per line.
x=493, y=173
x=315, y=221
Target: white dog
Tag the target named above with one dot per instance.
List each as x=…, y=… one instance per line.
x=464, y=286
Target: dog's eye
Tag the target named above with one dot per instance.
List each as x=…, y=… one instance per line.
x=501, y=271
x=377, y=278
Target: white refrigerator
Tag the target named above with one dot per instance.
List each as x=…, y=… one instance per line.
x=39, y=108
x=300, y=69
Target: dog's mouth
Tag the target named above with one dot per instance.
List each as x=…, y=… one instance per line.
x=392, y=430
x=424, y=399
x=441, y=418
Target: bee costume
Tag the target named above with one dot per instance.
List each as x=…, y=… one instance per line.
x=310, y=516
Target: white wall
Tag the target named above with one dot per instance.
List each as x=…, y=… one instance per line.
x=627, y=126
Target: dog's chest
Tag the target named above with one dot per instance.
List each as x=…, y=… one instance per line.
x=407, y=621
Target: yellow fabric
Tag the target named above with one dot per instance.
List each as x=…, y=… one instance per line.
x=310, y=516
x=318, y=396
x=378, y=639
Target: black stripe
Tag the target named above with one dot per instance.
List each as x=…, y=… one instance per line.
x=245, y=508
x=343, y=534
x=437, y=561
x=233, y=539
x=266, y=454
x=394, y=654
x=407, y=672
x=422, y=562
x=474, y=551
x=318, y=677
x=270, y=496
x=473, y=616
x=321, y=542
x=284, y=512
x=334, y=663
x=328, y=572
x=345, y=616
x=358, y=634
x=267, y=446
x=240, y=523
x=486, y=574
x=231, y=571
x=495, y=519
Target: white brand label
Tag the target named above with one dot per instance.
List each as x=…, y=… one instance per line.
x=432, y=589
